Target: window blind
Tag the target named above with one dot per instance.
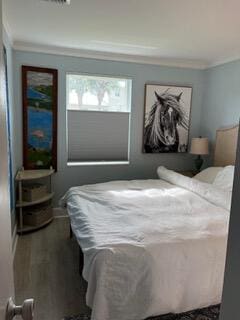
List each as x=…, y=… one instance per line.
x=97, y=136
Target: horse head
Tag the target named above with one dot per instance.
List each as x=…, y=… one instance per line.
x=169, y=114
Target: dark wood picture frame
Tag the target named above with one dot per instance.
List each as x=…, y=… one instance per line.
x=168, y=87
x=51, y=106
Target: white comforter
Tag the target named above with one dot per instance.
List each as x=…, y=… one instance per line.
x=150, y=246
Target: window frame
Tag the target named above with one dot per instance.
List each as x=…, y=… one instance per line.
x=130, y=89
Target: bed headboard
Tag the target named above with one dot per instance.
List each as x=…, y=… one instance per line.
x=226, y=146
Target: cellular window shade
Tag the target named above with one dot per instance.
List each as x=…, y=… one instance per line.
x=97, y=136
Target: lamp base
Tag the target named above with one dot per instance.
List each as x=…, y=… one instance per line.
x=198, y=163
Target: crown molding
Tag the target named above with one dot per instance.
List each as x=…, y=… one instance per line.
x=98, y=55
x=223, y=61
x=73, y=52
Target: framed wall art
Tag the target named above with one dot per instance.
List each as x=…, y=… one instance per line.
x=39, y=93
x=167, y=118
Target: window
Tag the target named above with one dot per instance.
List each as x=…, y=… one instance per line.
x=98, y=119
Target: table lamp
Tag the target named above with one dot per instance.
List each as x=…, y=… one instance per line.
x=199, y=146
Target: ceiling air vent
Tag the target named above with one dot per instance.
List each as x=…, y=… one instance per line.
x=59, y=1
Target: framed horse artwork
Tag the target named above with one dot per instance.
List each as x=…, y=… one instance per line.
x=167, y=118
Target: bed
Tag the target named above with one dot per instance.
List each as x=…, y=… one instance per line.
x=153, y=247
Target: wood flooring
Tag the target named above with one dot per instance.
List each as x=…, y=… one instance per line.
x=46, y=269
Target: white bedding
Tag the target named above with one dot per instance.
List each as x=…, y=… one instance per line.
x=150, y=246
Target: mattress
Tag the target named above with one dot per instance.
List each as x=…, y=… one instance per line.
x=150, y=246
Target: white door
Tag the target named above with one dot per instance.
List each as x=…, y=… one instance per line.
x=6, y=261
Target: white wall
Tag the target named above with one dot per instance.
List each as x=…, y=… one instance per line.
x=12, y=118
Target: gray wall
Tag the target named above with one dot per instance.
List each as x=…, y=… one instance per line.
x=221, y=101
x=215, y=103
x=142, y=165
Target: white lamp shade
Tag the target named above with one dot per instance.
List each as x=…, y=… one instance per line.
x=199, y=146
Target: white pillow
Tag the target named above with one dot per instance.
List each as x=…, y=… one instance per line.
x=208, y=175
x=224, y=178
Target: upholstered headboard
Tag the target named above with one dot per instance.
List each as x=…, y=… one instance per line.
x=226, y=146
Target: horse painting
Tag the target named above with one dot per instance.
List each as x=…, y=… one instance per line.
x=162, y=124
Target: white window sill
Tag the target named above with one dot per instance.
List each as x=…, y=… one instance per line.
x=97, y=163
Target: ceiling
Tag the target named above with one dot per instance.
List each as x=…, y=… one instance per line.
x=200, y=33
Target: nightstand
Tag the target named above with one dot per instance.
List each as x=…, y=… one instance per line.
x=188, y=173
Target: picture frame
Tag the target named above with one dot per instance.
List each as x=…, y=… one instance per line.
x=39, y=99
x=167, y=115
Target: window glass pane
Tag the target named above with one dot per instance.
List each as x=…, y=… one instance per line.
x=95, y=93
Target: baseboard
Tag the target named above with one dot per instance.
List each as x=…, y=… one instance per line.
x=14, y=240
x=59, y=212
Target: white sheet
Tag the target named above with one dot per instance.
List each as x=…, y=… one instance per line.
x=224, y=178
x=208, y=175
x=150, y=247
